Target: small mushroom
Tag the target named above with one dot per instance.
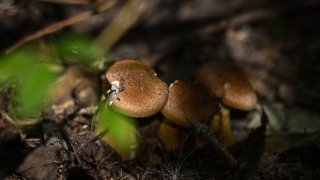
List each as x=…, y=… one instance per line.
x=228, y=82
x=188, y=102
x=191, y=106
x=136, y=90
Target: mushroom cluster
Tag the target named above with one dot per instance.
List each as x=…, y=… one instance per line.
x=136, y=91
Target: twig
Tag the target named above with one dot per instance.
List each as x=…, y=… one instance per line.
x=50, y=29
x=10, y=120
x=104, y=6
x=127, y=16
x=204, y=131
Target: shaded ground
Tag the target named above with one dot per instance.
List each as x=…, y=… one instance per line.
x=276, y=42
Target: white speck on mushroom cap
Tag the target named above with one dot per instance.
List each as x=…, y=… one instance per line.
x=116, y=83
x=141, y=93
x=113, y=92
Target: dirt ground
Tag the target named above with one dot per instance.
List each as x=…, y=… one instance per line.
x=276, y=42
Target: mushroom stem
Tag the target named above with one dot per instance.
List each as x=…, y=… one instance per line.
x=222, y=128
x=171, y=137
x=204, y=130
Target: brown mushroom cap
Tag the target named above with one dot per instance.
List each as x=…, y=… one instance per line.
x=140, y=92
x=187, y=102
x=229, y=82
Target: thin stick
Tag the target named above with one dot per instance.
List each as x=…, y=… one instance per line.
x=50, y=29
x=205, y=132
x=122, y=22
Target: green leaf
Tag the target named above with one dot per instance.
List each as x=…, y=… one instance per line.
x=34, y=88
x=14, y=65
x=78, y=49
x=121, y=131
x=32, y=80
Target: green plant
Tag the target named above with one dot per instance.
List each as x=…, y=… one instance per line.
x=32, y=79
x=118, y=130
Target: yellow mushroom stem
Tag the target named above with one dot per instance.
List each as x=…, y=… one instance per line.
x=222, y=127
x=171, y=137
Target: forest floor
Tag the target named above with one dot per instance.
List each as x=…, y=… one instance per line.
x=277, y=43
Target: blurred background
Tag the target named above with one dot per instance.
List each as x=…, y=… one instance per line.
x=276, y=42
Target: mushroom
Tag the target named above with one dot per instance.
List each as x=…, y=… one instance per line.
x=191, y=106
x=136, y=90
x=228, y=82
x=188, y=102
